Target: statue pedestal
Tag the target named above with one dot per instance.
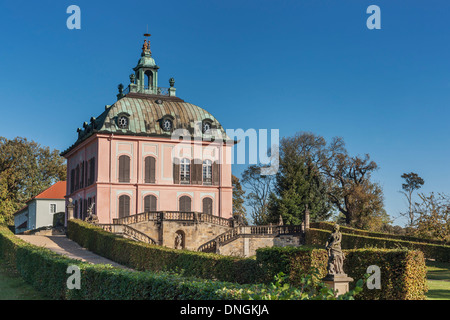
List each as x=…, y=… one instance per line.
x=338, y=282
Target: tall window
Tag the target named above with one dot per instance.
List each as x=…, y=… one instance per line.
x=72, y=181
x=207, y=172
x=150, y=169
x=76, y=216
x=92, y=171
x=185, y=204
x=207, y=205
x=124, y=206
x=124, y=169
x=77, y=177
x=150, y=203
x=185, y=172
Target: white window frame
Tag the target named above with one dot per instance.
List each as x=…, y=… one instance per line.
x=207, y=172
x=185, y=171
x=50, y=208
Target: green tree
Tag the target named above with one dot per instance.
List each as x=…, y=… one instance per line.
x=238, y=199
x=412, y=183
x=298, y=184
x=26, y=169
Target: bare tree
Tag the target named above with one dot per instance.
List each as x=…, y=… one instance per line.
x=259, y=188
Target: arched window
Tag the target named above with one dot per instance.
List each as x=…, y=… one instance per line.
x=185, y=204
x=124, y=169
x=150, y=169
x=207, y=205
x=124, y=206
x=148, y=79
x=185, y=171
x=150, y=203
x=207, y=172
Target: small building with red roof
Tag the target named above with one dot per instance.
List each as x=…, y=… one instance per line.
x=40, y=210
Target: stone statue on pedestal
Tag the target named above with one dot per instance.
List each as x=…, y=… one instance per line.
x=335, y=255
x=336, y=278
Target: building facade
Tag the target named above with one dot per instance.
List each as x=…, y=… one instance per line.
x=39, y=211
x=149, y=151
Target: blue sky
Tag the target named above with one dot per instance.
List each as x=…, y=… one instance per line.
x=305, y=65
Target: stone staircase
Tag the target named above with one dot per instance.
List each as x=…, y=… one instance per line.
x=258, y=235
x=160, y=227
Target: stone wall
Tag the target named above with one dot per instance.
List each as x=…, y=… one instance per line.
x=246, y=245
x=194, y=234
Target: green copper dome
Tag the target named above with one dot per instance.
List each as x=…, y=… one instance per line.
x=144, y=115
x=146, y=61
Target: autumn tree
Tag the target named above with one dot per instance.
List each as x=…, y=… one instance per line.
x=433, y=216
x=26, y=169
x=351, y=190
x=347, y=179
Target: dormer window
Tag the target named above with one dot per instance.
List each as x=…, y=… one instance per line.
x=206, y=126
x=122, y=122
x=166, y=123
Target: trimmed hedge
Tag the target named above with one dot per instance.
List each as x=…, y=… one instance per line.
x=403, y=272
x=325, y=225
x=46, y=271
x=145, y=257
x=351, y=241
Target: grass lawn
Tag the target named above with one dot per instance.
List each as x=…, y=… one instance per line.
x=12, y=286
x=438, y=276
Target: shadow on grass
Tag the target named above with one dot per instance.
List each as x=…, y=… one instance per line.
x=13, y=287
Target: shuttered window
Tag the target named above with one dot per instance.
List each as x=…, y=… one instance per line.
x=77, y=177
x=82, y=182
x=207, y=205
x=124, y=206
x=91, y=171
x=185, y=204
x=215, y=173
x=150, y=169
x=72, y=181
x=124, y=169
x=196, y=171
x=150, y=203
x=176, y=171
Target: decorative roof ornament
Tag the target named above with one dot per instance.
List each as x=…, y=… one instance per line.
x=146, y=47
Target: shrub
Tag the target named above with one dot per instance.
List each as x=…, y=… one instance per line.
x=351, y=241
x=46, y=271
x=145, y=257
x=403, y=272
x=324, y=225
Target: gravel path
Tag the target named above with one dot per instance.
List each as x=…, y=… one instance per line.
x=64, y=246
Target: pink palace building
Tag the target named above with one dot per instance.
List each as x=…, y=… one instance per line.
x=149, y=151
